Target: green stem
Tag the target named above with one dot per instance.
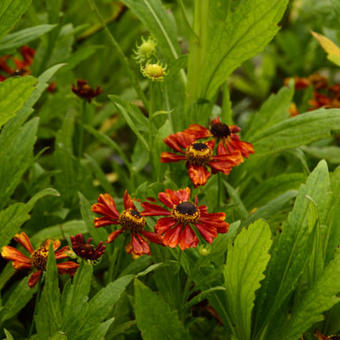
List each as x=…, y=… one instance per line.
x=219, y=191
x=150, y=118
x=123, y=58
x=227, y=113
x=83, y=120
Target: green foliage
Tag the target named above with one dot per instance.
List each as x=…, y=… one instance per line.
x=154, y=317
x=247, y=259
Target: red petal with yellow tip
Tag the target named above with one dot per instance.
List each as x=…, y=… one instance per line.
x=23, y=239
x=128, y=202
x=168, y=157
x=114, y=235
x=10, y=253
x=198, y=174
x=68, y=267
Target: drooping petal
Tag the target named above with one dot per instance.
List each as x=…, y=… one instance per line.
x=164, y=224
x=10, y=253
x=198, y=131
x=225, y=163
x=128, y=202
x=171, y=237
x=153, y=237
x=21, y=265
x=34, y=278
x=207, y=232
x=198, y=174
x=169, y=157
x=106, y=206
x=139, y=245
x=114, y=235
x=187, y=238
x=153, y=210
x=244, y=147
x=68, y=267
x=62, y=253
x=103, y=221
x=23, y=239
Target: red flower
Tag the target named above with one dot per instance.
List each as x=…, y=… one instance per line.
x=130, y=221
x=86, y=250
x=225, y=136
x=37, y=258
x=84, y=90
x=198, y=156
x=181, y=214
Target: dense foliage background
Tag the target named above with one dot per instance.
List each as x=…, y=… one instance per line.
x=275, y=273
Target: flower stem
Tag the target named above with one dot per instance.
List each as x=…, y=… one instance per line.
x=37, y=298
x=122, y=56
x=83, y=120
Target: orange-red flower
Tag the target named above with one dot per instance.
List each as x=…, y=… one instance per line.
x=228, y=142
x=130, y=221
x=198, y=157
x=84, y=90
x=86, y=250
x=180, y=215
x=38, y=258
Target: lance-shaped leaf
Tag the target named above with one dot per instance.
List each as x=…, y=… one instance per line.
x=332, y=50
x=246, y=261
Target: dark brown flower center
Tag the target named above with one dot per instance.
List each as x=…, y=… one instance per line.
x=131, y=220
x=186, y=212
x=198, y=153
x=220, y=130
x=39, y=258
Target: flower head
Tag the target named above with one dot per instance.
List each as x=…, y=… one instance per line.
x=37, y=258
x=145, y=50
x=199, y=156
x=226, y=137
x=84, y=90
x=180, y=215
x=130, y=220
x=154, y=72
x=86, y=250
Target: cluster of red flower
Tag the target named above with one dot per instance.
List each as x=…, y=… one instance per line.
x=324, y=95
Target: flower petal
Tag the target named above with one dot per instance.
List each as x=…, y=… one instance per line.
x=106, y=206
x=23, y=239
x=153, y=237
x=128, y=202
x=169, y=157
x=164, y=224
x=62, y=253
x=17, y=265
x=188, y=238
x=198, y=174
x=198, y=131
x=10, y=253
x=103, y=221
x=153, y=210
x=68, y=267
x=171, y=237
x=139, y=245
x=207, y=232
x=34, y=278
x=114, y=235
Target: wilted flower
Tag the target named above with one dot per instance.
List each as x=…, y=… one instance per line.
x=84, y=90
x=145, y=50
x=86, y=250
x=154, y=71
x=130, y=221
x=38, y=258
x=198, y=157
x=181, y=214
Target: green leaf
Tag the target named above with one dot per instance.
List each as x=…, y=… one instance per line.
x=149, y=308
x=155, y=18
x=14, y=92
x=317, y=300
x=8, y=335
x=17, y=300
x=242, y=211
x=20, y=38
x=99, y=307
x=77, y=295
x=246, y=261
x=292, y=250
x=330, y=153
x=99, y=332
x=228, y=40
x=296, y=131
x=17, y=214
x=10, y=13
x=58, y=231
x=274, y=110
x=131, y=117
x=49, y=318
